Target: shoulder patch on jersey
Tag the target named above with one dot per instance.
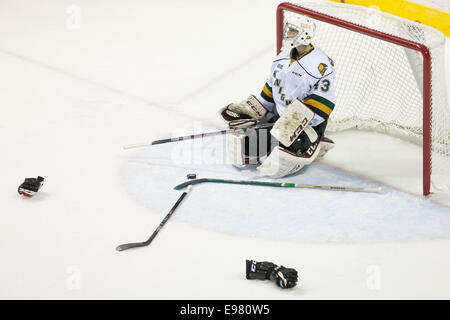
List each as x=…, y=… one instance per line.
x=331, y=61
x=322, y=68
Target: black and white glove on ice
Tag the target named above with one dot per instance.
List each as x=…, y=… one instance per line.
x=284, y=277
x=259, y=270
x=30, y=186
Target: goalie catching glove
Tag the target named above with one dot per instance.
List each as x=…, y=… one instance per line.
x=243, y=114
x=283, y=277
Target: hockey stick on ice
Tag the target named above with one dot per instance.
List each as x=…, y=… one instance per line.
x=193, y=136
x=277, y=184
x=189, y=137
x=146, y=243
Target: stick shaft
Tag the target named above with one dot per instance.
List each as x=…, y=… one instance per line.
x=188, y=137
x=341, y=188
x=193, y=136
x=168, y=216
x=277, y=184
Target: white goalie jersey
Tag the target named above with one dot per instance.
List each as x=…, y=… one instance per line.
x=308, y=77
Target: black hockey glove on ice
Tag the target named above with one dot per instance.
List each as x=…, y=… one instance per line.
x=30, y=186
x=284, y=277
x=259, y=270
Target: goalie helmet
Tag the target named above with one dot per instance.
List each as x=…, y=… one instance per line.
x=300, y=33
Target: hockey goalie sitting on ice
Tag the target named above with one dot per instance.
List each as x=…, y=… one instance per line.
x=291, y=112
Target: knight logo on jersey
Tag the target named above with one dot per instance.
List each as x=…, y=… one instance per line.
x=322, y=68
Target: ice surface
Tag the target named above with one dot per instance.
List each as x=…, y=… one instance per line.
x=290, y=214
x=143, y=70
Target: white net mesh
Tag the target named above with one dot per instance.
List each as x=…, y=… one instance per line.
x=379, y=84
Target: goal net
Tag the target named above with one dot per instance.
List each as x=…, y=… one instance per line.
x=390, y=77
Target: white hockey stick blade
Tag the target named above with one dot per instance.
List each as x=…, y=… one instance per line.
x=136, y=145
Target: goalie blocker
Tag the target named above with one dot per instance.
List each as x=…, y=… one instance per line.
x=291, y=144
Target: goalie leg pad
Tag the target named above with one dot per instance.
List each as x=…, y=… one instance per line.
x=282, y=162
x=307, y=138
x=326, y=145
x=293, y=122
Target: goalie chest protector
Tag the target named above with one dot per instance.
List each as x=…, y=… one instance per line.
x=308, y=77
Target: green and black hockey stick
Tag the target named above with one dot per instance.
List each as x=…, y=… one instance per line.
x=277, y=184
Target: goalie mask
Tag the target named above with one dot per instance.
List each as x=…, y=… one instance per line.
x=301, y=34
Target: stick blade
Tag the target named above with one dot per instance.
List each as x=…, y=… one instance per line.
x=127, y=246
x=137, y=145
x=190, y=182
